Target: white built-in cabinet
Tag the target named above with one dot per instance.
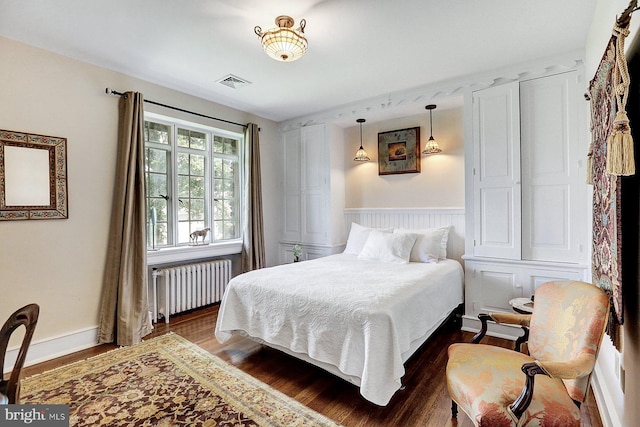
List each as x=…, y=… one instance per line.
x=527, y=210
x=313, y=189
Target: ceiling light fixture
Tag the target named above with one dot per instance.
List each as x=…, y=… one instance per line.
x=284, y=43
x=361, y=155
x=432, y=145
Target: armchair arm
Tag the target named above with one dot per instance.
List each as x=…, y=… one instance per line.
x=505, y=318
x=576, y=368
x=484, y=318
x=523, y=401
x=511, y=318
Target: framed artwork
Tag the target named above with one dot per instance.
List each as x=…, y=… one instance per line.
x=33, y=176
x=399, y=151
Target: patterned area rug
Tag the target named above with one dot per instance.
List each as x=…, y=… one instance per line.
x=165, y=381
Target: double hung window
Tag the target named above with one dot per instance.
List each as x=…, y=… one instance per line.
x=193, y=183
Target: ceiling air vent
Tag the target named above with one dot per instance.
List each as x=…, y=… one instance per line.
x=233, y=82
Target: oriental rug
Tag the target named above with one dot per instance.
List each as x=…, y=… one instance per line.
x=165, y=381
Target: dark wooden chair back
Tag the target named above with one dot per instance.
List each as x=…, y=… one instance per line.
x=27, y=316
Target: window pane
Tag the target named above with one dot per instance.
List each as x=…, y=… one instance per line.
x=192, y=139
x=230, y=146
x=217, y=168
x=183, y=210
x=218, y=144
x=228, y=209
x=196, y=211
x=183, y=138
x=225, y=145
x=197, y=187
x=156, y=185
x=197, y=165
x=198, y=140
x=161, y=234
x=229, y=188
x=217, y=186
x=218, y=230
x=183, y=232
x=229, y=167
x=156, y=160
x=161, y=209
x=183, y=187
x=156, y=132
x=183, y=163
x=229, y=230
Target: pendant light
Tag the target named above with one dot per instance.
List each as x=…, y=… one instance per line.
x=432, y=145
x=361, y=155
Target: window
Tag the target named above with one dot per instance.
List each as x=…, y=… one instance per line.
x=193, y=183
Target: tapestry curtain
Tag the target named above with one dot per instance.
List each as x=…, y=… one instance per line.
x=253, y=256
x=607, y=195
x=124, y=313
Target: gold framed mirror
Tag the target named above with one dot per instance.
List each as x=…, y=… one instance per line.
x=33, y=176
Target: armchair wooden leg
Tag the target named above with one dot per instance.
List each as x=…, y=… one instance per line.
x=454, y=409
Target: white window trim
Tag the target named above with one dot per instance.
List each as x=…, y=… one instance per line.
x=179, y=253
x=193, y=253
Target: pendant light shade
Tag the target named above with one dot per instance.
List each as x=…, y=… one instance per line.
x=284, y=43
x=361, y=155
x=432, y=145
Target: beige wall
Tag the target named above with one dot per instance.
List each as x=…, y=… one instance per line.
x=440, y=184
x=59, y=263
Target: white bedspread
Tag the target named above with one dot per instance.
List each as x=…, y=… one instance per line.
x=359, y=316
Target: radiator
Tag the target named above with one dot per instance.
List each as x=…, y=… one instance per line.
x=184, y=287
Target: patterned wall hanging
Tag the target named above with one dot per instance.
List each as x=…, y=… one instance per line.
x=610, y=157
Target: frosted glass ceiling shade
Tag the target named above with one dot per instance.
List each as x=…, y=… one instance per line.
x=432, y=146
x=284, y=43
x=361, y=154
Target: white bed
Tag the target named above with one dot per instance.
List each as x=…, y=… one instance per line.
x=358, y=318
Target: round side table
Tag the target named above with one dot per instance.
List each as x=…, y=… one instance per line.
x=522, y=305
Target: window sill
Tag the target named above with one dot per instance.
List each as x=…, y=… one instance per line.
x=193, y=253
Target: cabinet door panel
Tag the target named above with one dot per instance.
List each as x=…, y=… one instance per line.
x=493, y=287
x=291, y=155
x=496, y=213
x=496, y=142
x=536, y=277
x=551, y=153
x=314, y=157
x=292, y=215
x=291, y=176
x=314, y=230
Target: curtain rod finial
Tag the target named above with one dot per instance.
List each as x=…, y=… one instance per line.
x=107, y=91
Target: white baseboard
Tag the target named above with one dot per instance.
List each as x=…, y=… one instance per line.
x=604, y=397
x=50, y=348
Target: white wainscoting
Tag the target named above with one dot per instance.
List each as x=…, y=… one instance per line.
x=414, y=218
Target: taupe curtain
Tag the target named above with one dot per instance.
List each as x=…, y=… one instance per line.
x=253, y=231
x=124, y=314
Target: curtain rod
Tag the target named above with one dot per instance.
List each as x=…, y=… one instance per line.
x=115, y=92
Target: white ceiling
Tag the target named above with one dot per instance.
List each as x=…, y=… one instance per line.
x=358, y=49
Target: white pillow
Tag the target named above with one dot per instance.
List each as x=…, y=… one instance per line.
x=431, y=244
x=388, y=247
x=358, y=237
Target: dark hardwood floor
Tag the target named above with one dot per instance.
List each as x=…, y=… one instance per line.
x=423, y=402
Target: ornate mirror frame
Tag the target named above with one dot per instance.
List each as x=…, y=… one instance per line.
x=33, y=176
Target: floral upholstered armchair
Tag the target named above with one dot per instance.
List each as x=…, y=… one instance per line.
x=499, y=387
